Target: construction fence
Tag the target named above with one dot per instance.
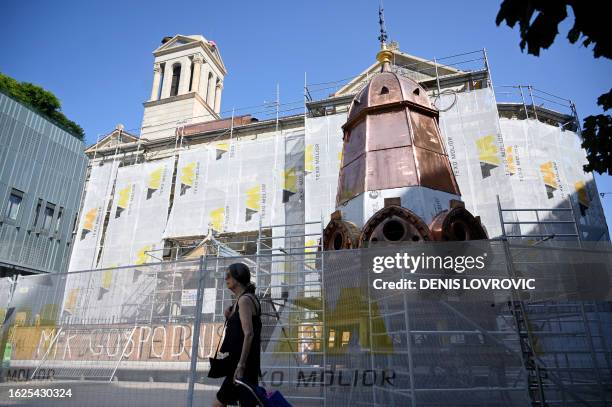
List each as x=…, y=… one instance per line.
x=328, y=338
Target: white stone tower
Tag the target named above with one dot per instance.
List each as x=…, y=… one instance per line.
x=188, y=75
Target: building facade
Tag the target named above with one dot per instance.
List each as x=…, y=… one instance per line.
x=198, y=175
x=42, y=170
x=212, y=192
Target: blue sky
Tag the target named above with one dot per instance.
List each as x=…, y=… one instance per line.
x=96, y=56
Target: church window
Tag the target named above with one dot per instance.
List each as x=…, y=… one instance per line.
x=176, y=77
x=210, y=78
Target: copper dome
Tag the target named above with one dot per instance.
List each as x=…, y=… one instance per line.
x=392, y=140
x=386, y=88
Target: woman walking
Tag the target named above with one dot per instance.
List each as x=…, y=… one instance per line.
x=242, y=338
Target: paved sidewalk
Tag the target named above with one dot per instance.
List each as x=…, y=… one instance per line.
x=121, y=394
x=116, y=394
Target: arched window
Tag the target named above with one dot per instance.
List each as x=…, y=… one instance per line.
x=210, y=78
x=176, y=78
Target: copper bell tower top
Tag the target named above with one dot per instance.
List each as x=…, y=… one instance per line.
x=392, y=139
x=395, y=183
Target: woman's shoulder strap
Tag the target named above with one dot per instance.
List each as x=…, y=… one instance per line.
x=256, y=302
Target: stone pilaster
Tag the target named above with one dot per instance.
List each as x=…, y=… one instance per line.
x=185, y=75
x=156, y=80
x=197, y=72
x=218, y=91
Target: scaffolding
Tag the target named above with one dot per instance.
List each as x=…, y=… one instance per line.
x=549, y=223
x=323, y=326
x=327, y=338
x=554, y=336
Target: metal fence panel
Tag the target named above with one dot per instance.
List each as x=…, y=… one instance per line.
x=124, y=336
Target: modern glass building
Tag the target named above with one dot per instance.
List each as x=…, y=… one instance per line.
x=42, y=170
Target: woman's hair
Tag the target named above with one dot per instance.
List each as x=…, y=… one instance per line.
x=241, y=273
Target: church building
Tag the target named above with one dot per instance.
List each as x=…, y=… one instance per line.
x=192, y=176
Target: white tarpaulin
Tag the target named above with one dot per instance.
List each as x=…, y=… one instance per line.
x=188, y=203
x=259, y=194
x=138, y=214
x=95, y=204
x=229, y=186
x=290, y=210
x=545, y=171
x=476, y=150
x=133, y=237
x=529, y=164
x=217, y=208
x=322, y=159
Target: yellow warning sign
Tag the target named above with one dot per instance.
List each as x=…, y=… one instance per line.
x=89, y=222
x=71, y=300
x=90, y=219
x=188, y=174
x=217, y=219
x=141, y=255
x=155, y=180
x=583, y=196
x=549, y=175
x=107, y=279
x=221, y=149
x=123, y=200
x=309, y=160
x=253, y=202
x=488, y=154
x=289, y=183
x=510, y=160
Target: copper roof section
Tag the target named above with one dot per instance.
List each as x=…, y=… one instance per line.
x=392, y=140
x=198, y=128
x=387, y=88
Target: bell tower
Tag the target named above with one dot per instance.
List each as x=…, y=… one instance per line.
x=188, y=75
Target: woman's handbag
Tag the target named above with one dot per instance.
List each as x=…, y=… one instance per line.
x=219, y=367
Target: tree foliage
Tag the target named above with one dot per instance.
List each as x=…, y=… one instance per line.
x=539, y=25
x=597, y=138
x=40, y=100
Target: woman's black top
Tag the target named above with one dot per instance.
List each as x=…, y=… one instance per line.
x=234, y=337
